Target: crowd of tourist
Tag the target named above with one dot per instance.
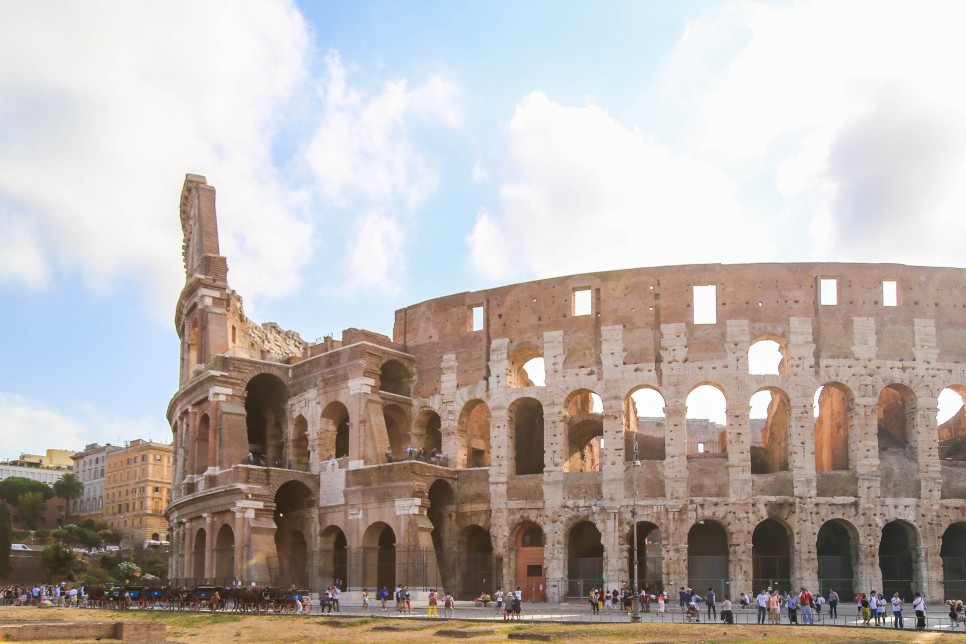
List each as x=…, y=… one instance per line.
x=62, y=595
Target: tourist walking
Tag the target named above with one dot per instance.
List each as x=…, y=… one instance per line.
x=793, y=609
x=709, y=600
x=919, y=605
x=774, y=599
x=431, y=608
x=727, y=616
x=762, y=606
x=805, y=601
x=447, y=605
x=833, y=604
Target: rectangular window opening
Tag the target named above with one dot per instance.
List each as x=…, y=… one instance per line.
x=828, y=291
x=583, y=304
x=890, y=293
x=476, y=318
x=534, y=570
x=705, y=304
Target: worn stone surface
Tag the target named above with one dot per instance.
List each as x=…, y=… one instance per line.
x=537, y=476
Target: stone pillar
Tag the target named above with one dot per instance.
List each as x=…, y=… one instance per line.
x=925, y=432
x=801, y=446
x=612, y=457
x=555, y=561
x=675, y=551
x=241, y=539
x=615, y=557
x=209, y=545
x=740, y=564
x=804, y=554
x=864, y=448
x=867, y=573
x=554, y=455
x=739, y=450
x=675, y=449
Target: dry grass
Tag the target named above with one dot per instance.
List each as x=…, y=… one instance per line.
x=203, y=628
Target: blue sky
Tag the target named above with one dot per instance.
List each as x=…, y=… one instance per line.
x=370, y=155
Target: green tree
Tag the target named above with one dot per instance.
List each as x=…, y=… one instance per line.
x=59, y=561
x=30, y=507
x=5, y=530
x=68, y=487
x=13, y=488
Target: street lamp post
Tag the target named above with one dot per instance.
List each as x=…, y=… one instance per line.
x=636, y=598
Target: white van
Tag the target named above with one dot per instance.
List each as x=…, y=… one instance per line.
x=19, y=546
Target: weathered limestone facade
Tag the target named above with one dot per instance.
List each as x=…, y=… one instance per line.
x=281, y=472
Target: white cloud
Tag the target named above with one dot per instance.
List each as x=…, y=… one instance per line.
x=103, y=109
x=583, y=192
x=27, y=424
x=364, y=156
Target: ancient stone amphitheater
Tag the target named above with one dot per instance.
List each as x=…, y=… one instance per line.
x=438, y=457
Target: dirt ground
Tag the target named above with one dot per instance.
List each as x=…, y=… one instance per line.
x=203, y=628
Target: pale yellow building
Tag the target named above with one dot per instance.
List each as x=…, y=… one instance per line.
x=137, y=489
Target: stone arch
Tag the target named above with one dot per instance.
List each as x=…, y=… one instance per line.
x=474, y=423
x=525, y=416
x=650, y=558
x=585, y=429
x=198, y=546
x=299, y=450
x=429, y=424
x=477, y=571
x=899, y=559
x=524, y=355
x=768, y=355
x=395, y=378
x=334, y=557
x=708, y=557
x=379, y=556
x=528, y=560
x=225, y=555
x=265, y=418
x=585, y=559
x=895, y=416
x=441, y=512
x=644, y=424
x=706, y=420
x=294, y=505
x=397, y=428
x=203, y=445
x=335, y=430
x=771, y=555
x=952, y=423
x=953, y=555
x=837, y=548
x=833, y=425
x=769, y=430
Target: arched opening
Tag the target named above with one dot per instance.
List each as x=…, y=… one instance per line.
x=526, y=368
x=771, y=556
x=334, y=566
x=265, y=398
x=202, y=444
x=397, y=429
x=585, y=560
x=379, y=557
x=899, y=560
x=953, y=554
x=475, y=422
x=708, y=558
x=394, y=378
x=441, y=511
x=650, y=558
x=432, y=435
x=294, y=503
x=198, y=555
x=770, y=417
x=529, y=571
x=837, y=553
x=299, y=455
x=526, y=427
x=833, y=413
x=192, y=350
x=477, y=570
x=705, y=423
x=644, y=425
x=583, y=411
x=895, y=416
x=767, y=357
x=225, y=556
x=334, y=435
x=951, y=418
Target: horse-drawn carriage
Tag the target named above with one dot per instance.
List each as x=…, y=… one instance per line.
x=282, y=600
x=205, y=597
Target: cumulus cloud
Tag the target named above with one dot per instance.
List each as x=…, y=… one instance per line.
x=584, y=192
x=105, y=106
x=364, y=157
x=28, y=424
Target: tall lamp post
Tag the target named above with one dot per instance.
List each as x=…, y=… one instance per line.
x=636, y=599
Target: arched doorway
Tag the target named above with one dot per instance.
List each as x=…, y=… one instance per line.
x=299, y=450
x=585, y=560
x=708, y=558
x=395, y=378
x=334, y=568
x=650, y=558
x=433, y=436
x=833, y=419
x=526, y=427
x=225, y=556
x=475, y=421
x=529, y=571
x=583, y=411
x=198, y=556
x=837, y=552
x=476, y=549
x=644, y=422
x=265, y=398
x=899, y=559
x=294, y=505
x=706, y=421
x=771, y=556
x=397, y=430
x=953, y=554
x=895, y=417
x=379, y=557
x=203, y=444
x=442, y=506
x=770, y=417
x=334, y=435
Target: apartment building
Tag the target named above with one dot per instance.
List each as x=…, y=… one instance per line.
x=137, y=489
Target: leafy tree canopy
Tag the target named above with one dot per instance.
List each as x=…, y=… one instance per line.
x=13, y=488
x=30, y=507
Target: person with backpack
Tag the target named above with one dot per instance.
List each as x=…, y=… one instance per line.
x=447, y=605
x=919, y=605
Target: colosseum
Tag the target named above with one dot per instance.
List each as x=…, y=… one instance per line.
x=441, y=457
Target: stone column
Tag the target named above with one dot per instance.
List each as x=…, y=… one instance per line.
x=209, y=545
x=925, y=441
x=612, y=457
x=739, y=450
x=675, y=449
x=241, y=539
x=801, y=446
x=554, y=455
x=864, y=448
x=555, y=561
x=615, y=557
x=675, y=551
x=740, y=564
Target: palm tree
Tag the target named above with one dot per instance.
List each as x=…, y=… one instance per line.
x=68, y=487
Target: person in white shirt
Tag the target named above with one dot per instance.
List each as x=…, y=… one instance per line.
x=896, y=611
x=919, y=605
x=762, y=606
